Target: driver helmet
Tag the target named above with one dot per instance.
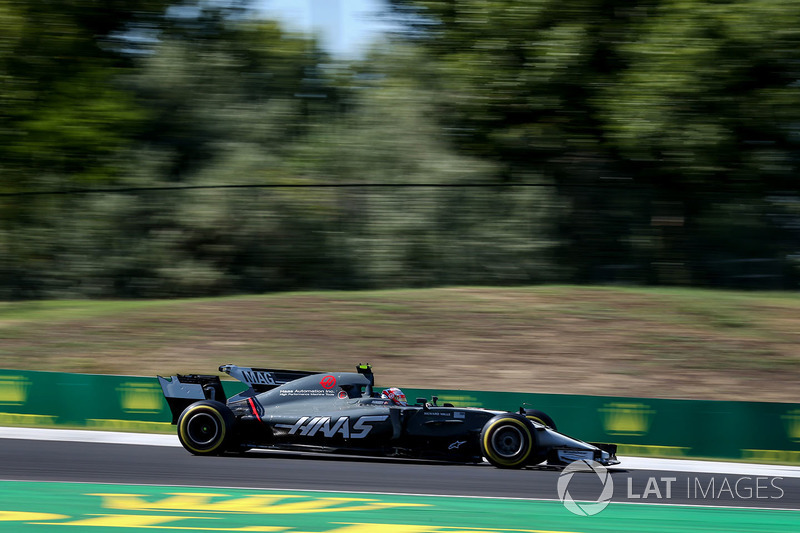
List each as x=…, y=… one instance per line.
x=395, y=395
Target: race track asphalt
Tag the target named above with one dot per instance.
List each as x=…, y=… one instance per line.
x=34, y=460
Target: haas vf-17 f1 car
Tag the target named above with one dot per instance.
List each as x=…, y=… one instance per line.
x=338, y=412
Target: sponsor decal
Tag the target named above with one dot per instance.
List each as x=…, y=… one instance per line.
x=14, y=390
x=459, y=414
x=434, y=413
x=575, y=455
x=310, y=426
x=771, y=456
x=632, y=419
x=463, y=400
x=135, y=397
x=328, y=382
x=792, y=419
x=258, y=377
x=253, y=408
x=585, y=508
x=651, y=450
x=250, y=504
x=456, y=445
x=306, y=392
x=207, y=523
x=197, y=511
x=342, y=395
x=23, y=419
x=378, y=402
x=129, y=425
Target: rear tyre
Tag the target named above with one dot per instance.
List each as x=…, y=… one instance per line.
x=541, y=417
x=506, y=441
x=205, y=427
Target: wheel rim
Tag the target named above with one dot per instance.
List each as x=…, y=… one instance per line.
x=508, y=441
x=203, y=429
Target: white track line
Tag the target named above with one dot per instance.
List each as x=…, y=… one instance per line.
x=627, y=463
x=707, y=467
x=80, y=435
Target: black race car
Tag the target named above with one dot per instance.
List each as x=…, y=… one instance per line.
x=339, y=412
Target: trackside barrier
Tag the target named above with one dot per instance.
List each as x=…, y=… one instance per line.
x=88, y=401
x=752, y=431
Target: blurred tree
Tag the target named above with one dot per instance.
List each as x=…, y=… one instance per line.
x=226, y=99
x=63, y=118
x=60, y=110
x=653, y=128
x=399, y=235
x=708, y=111
x=629, y=107
x=522, y=84
x=227, y=82
x=710, y=96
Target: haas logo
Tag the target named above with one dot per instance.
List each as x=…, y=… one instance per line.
x=308, y=426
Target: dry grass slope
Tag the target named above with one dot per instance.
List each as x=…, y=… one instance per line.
x=628, y=342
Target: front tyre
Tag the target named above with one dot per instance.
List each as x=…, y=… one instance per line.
x=205, y=427
x=506, y=441
x=540, y=417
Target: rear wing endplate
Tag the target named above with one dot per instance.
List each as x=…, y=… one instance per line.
x=181, y=391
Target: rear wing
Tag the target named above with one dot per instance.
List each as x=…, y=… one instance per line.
x=183, y=390
x=264, y=379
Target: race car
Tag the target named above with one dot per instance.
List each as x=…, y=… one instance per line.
x=340, y=412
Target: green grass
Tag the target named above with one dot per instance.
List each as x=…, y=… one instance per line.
x=50, y=310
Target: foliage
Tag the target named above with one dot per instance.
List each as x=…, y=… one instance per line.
x=641, y=112
x=488, y=141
